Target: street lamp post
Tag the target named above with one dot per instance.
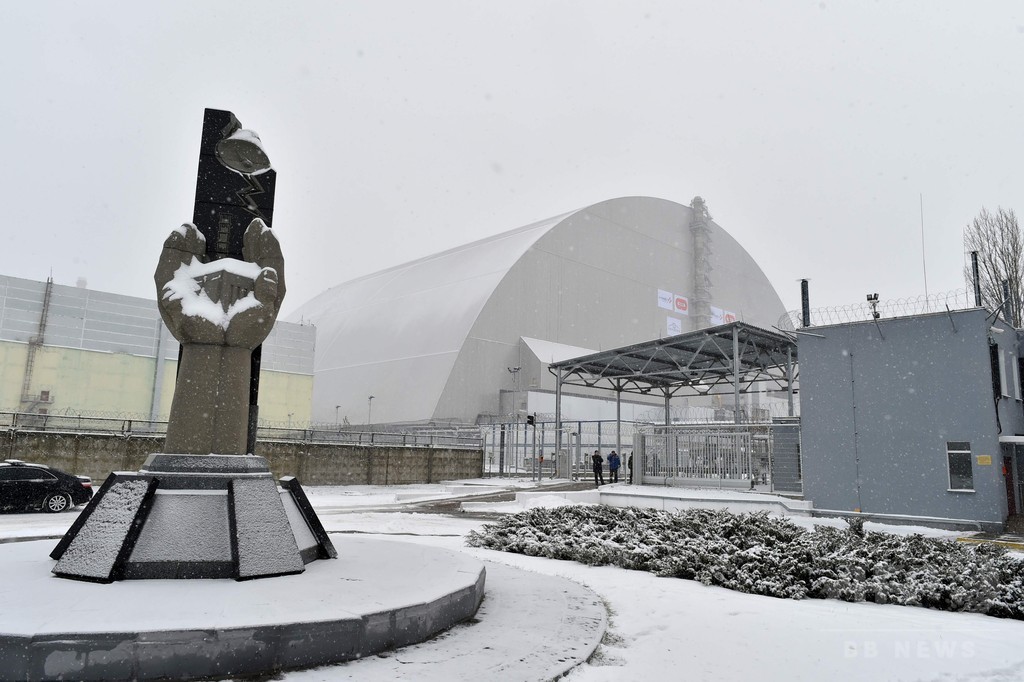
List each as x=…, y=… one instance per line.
x=336, y=415
x=369, y=409
x=514, y=371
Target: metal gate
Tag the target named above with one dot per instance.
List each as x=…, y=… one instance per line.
x=516, y=449
x=721, y=455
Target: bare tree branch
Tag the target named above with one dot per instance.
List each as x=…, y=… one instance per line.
x=997, y=239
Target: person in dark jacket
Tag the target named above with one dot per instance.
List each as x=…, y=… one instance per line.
x=598, y=461
x=613, y=467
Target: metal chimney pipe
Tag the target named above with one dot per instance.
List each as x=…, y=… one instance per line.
x=805, y=303
x=1007, y=307
x=977, y=278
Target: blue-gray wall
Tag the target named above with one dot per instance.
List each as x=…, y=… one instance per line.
x=907, y=389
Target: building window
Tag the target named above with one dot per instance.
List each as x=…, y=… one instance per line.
x=997, y=369
x=958, y=459
x=1008, y=377
x=1020, y=375
x=1003, y=390
x=1008, y=367
x=1015, y=375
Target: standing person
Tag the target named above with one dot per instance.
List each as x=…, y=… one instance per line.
x=598, y=461
x=629, y=463
x=613, y=467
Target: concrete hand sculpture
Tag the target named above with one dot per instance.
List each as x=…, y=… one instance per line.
x=207, y=506
x=219, y=310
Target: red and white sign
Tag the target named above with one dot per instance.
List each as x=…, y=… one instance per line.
x=719, y=316
x=681, y=305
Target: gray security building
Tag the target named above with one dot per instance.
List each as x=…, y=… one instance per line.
x=917, y=415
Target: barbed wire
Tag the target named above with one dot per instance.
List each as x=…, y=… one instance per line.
x=958, y=299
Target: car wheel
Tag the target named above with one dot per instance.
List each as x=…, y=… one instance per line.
x=57, y=503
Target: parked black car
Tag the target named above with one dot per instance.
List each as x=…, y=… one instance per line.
x=38, y=487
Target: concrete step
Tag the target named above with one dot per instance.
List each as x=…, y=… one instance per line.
x=1015, y=524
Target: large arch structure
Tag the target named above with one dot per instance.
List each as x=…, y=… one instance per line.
x=433, y=339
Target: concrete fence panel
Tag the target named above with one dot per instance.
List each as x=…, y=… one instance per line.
x=96, y=455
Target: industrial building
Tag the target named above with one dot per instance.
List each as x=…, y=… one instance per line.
x=74, y=351
x=467, y=335
x=918, y=415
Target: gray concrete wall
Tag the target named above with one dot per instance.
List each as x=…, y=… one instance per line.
x=879, y=404
x=96, y=455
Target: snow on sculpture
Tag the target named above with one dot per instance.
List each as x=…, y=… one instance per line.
x=219, y=311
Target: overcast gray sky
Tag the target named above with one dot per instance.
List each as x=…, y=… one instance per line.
x=399, y=129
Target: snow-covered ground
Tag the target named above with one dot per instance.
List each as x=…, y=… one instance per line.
x=665, y=628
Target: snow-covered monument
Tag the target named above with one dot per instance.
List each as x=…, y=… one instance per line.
x=207, y=507
x=432, y=340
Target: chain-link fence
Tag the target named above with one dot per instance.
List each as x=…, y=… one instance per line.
x=63, y=423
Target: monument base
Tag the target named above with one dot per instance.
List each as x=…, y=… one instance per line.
x=193, y=516
x=384, y=595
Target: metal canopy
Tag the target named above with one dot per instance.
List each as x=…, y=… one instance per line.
x=728, y=358
x=696, y=363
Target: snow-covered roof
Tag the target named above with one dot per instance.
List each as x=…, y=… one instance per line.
x=414, y=316
x=549, y=351
x=430, y=339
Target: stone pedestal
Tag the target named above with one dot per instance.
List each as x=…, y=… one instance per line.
x=193, y=516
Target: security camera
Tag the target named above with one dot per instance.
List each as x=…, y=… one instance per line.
x=873, y=300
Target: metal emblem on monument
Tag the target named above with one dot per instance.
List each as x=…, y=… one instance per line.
x=235, y=184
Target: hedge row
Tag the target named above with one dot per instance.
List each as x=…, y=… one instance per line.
x=760, y=554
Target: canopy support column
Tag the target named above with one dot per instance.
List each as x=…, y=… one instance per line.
x=736, y=375
x=789, y=378
x=618, y=417
x=558, y=415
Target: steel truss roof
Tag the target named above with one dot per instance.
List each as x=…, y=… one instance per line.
x=700, y=362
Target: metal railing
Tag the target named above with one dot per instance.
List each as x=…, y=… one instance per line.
x=126, y=427
x=762, y=413
x=762, y=456
x=410, y=438
x=518, y=453
x=63, y=423
x=737, y=454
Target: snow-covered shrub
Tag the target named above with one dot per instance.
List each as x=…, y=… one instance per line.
x=761, y=554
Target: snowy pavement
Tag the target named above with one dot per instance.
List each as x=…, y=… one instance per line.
x=665, y=628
